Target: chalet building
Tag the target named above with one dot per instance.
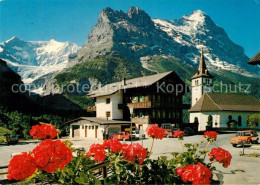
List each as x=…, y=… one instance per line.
x=155, y=99
x=95, y=128
x=226, y=110
x=255, y=60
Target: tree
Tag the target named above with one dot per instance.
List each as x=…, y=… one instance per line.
x=253, y=120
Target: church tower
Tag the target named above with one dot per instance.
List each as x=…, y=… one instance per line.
x=201, y=82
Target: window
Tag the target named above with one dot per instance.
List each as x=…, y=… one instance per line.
x=136, y=113
x=108, y=114
x=154, y=114
x=239, y=121
x=93, y=127
x=164, y=114
x=82, y=126
x=141, y=98
x=108, y=101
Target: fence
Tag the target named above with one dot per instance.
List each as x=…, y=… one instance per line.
x=100, y=170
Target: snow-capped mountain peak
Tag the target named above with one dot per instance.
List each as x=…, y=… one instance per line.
x=197, y=16
x=33, y=59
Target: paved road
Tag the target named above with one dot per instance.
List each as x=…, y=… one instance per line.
x=243, y=170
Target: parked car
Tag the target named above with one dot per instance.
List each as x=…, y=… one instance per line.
x=188, y=131
x=168, y=133
x=137, y=134
x=244, y=137
x=10, y=139
x=123, y=136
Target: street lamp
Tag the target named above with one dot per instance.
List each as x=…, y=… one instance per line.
x=131, y=109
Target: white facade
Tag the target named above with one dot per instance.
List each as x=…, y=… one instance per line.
x=102, y=107
x=220, y=119
x=87, y=129
x=200, y=86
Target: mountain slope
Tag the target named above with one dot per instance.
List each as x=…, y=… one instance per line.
x=134, y=35
x=196, y=31
x=33, y=59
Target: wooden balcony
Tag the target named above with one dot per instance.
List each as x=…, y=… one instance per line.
x=140, y=105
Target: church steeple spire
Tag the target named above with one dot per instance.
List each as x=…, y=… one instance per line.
x=202, y=66
x=202, y=70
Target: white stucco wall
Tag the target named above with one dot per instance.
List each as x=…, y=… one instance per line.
x=196, y=90
x=112, y=107
x=221, y=118
x=200, y=89
x=90, y=131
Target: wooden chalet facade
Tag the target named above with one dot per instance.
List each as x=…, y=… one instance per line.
x=155, y=99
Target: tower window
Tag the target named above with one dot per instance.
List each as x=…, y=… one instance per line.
x=108, y=114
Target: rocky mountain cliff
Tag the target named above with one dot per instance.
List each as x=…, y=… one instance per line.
x=135, y=35
x=35, y=59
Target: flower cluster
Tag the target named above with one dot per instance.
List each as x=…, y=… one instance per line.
x=113, y=144
x=51, y=155
x=135, y=152
x=43, y=131
x=210, y=135
x=220, y=155
x=195, y=173
x=179, y=134
x=21, y=166
x=98, y=151
x=155, y=131
x=131, y=152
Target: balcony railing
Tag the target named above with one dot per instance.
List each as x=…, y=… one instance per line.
x=140, y=105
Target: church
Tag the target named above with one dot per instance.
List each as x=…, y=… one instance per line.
x=223, y=110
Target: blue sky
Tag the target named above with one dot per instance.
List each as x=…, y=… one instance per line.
x=72, y=20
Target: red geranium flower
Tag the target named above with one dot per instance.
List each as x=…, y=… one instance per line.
x=51, y=155
x=43, y=131
x=98, y=151
x=114, y=145
x=179, y=134
x=134, y=152
x=155, y=132
x=21, y=166
x=195, y=173
x=211, y=135
x=221, y=155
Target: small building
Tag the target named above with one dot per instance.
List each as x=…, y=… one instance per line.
x=92, y=127
x=225, y=110
x=255, y=60
x=155, y=99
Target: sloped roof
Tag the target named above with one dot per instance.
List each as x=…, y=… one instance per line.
x=255, y=60
x=132, y=83
x=226, y=102
x=100, y=121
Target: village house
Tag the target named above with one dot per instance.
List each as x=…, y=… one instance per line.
x=154, y=99
x=255, y=60
x=225, y=110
